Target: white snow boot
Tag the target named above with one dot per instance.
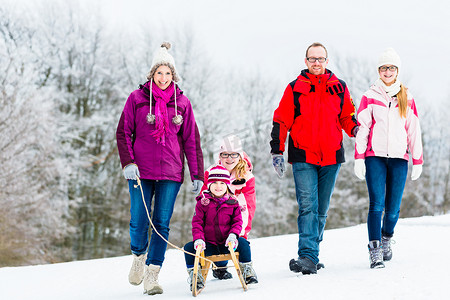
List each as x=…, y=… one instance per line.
x=136, y=274
x=151, y=285
x=248, y=273
x=200, y=279
x=376, y=254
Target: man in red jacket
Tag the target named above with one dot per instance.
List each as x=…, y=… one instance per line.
x=314, y=109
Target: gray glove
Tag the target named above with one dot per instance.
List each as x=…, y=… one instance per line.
x=200, y=243
x=131, y=172
x=232, y=239
x=278, y=164
x=197, y=186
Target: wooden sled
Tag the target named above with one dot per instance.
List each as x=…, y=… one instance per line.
x=205, y=266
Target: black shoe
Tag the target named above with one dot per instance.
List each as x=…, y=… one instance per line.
x=251, y=280
x=222, y=274
x=320, y=266
x=303, y=265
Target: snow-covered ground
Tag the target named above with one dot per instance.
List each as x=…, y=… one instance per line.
x=419, y=270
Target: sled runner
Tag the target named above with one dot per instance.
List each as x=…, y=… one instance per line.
x=205, y=265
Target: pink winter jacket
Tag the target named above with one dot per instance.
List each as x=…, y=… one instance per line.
x=383, y=133
x=215, y=218
x=244, y=191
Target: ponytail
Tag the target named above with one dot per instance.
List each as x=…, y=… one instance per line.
x=402, y=98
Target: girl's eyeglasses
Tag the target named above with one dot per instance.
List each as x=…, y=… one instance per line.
x=385, y=68
x=232, y=155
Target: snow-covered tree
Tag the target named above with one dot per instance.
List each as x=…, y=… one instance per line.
x=32, y=211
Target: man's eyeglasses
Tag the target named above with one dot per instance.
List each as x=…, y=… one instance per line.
x=232, y=155
x=314, y=59
x=385, y=68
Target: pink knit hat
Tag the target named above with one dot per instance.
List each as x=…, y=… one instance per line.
x=218, y=173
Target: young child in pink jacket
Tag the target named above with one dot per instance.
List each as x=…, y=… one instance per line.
x=217, y=221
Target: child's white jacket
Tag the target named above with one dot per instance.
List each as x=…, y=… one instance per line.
x=382, y=132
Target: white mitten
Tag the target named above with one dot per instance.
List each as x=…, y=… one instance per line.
x=416, y=171
x=360, y=169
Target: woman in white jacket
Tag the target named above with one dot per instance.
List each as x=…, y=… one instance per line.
x=389, y=132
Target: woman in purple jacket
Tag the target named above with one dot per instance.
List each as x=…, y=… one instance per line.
x=216, y=223
x=156, y=130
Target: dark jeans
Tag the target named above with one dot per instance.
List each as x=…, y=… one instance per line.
x=165, y=193
x=243, y=248
x=314, y=186
x=385, y=179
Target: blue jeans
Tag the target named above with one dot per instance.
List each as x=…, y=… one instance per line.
x=385, y=179
x=165, y=193
x=243, y=248
x=314, y=186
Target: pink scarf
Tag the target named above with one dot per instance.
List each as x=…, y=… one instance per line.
x=161, y=115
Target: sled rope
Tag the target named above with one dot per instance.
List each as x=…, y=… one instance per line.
x=214, y=267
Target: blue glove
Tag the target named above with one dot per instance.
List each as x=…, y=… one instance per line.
x=131, y=172
x=197, y=186
x=278, y=164
x=232, y=239
x=200, y=243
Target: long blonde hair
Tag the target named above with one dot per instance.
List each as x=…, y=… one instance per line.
x=240, y=169
x=402, y=98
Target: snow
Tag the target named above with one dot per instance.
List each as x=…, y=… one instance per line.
x=418, y=270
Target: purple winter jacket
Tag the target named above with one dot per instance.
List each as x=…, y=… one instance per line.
x=215, y=219
x=137, y=145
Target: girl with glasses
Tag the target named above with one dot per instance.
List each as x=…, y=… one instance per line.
x=389, y=133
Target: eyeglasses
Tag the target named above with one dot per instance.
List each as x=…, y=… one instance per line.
x=232, y=155
x=314, y=59
x=385, y=68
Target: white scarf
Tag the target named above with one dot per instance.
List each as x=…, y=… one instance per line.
x=391, y=90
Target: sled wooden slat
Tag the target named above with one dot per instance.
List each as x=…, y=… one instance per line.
x=236, y=265
x=195, y=292
x=207, y=264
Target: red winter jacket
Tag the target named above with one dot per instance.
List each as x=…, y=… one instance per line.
x=314, y=109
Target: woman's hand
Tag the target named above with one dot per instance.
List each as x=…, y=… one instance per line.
x=197, y=186
x=131, y=172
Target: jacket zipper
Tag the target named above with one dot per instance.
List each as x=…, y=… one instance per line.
x=389, y=114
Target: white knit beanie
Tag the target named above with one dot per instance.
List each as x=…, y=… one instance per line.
x=232, y=143
x=389, y=57
x=163, y=58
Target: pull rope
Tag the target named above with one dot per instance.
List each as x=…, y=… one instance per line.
x=214, y=267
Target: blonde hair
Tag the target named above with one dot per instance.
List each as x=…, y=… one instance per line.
x=240, y=169
x=402, y=98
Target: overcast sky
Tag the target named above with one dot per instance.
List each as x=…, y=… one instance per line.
x=271, y=36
